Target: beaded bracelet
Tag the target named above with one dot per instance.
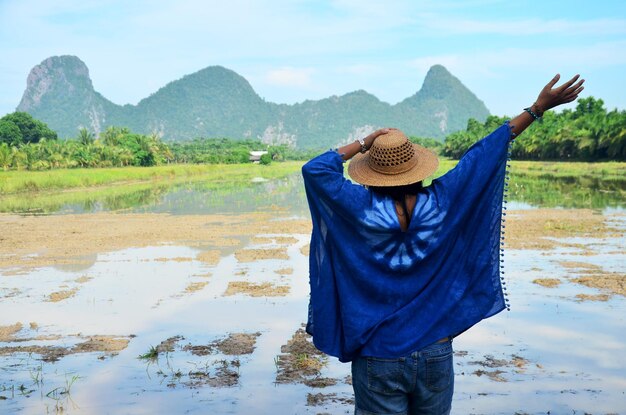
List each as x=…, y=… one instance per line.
x=362, y=143
x=532, y=114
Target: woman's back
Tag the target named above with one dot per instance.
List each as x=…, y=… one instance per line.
x=395, y=275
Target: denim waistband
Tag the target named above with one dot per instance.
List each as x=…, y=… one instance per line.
x=434, y=349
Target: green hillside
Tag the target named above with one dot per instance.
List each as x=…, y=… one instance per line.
x=217, y=102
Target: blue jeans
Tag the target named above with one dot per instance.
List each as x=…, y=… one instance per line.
x=421, y=383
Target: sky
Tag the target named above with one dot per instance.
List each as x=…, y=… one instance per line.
x=294, y=50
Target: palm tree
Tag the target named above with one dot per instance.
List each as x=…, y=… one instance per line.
x=126, y=157
x=613, y=141
x=5, y=156
x=85, y=136
x=19, y=158
x=112, y=135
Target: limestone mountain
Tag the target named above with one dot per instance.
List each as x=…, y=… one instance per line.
x=217, y=102
x=446, y=100
x=59, y=91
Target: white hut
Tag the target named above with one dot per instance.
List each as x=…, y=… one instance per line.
x=255, y=156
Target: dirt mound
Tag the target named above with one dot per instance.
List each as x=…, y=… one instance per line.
x=265, y=289
x=301, y=362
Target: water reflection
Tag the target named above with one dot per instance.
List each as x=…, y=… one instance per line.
x=196, y=197
x=567, y=192
x=89, y=201
x=204, y=197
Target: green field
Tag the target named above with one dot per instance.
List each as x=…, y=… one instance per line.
x=21, y=181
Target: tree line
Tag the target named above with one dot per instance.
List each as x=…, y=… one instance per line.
x=587, y=133
x=38, y=148
x=27, y=143
x=226, y=150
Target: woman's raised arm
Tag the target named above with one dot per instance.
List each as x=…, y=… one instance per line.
x=548, y=98
x=348, y=151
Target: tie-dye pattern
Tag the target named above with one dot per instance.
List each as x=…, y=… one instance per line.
x=399, y=250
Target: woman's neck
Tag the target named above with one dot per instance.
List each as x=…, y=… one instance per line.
x=404, y=217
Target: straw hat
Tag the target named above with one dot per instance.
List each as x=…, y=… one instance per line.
x=393, y=161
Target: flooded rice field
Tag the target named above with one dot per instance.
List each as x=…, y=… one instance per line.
x=192, y=300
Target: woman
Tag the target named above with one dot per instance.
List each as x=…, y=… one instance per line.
x=397, y=270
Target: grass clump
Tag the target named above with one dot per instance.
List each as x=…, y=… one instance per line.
x=151, y=354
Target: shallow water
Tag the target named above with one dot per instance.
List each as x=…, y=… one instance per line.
x=194, y=197
x=202, y=197
x=572, y=350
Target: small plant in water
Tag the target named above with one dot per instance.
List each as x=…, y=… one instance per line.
x=37, y=375
x=7, y=389
x=306, y=362
x=58, y=392
x=152, y=354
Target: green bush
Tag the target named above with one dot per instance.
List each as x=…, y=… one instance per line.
x=266, y=159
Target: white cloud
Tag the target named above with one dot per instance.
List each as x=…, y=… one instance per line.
x=526, y=27
x=290, y=77
x=536, y=59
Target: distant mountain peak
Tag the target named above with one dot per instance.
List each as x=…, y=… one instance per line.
x=55, y=74
x=438, y=69
x=443, y=98
x=217, y=73
x=439, y=82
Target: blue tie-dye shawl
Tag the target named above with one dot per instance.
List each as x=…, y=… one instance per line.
x=378, y=291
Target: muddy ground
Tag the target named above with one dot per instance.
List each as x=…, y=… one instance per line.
x=28, y=242
x=16, y=335
x=301, y=362
x=259, y=252
x=251, y=289
x=35, y=241
x=222, y=369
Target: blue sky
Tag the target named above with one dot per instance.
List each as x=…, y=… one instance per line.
x=295, y=50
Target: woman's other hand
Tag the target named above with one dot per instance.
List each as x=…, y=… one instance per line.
x=348, y=151
x=369, y=140
x=550, y=97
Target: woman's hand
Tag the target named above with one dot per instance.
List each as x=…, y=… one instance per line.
x=348, y=151
x=369, y=140
x=549, y=98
